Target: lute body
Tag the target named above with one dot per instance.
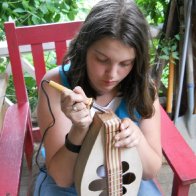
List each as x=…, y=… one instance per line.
x=101, y=168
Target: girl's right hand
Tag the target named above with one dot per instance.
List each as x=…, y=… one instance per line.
x=73, y=106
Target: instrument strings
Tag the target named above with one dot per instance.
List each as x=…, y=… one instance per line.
x=113, y=160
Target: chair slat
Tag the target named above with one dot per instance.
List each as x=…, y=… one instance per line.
x=39, y=62
x=14, y=54
x=46, y=32
x=61, y=50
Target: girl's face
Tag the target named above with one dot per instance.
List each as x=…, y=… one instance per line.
x=109, y=61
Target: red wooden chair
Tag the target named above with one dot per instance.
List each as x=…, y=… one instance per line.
x=17, y=134
x=16, y=138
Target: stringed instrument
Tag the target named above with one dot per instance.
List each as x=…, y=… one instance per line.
x=101, y=168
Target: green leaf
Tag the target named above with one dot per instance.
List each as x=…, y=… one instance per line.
x=175, y=55
x=50, y=7
x=29, y=81
x=165, y=50
x=35, y=19
x=44, y=9
x=177, y=37
x=174, y=47
x=71, y=15
x=25, y=5
x=5, y=5
x=57, y=18
x=19, y=10
x=164, y=57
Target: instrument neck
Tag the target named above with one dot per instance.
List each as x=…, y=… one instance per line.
x=113, y=161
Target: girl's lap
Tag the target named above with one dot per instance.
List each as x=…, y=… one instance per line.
x=46, y=186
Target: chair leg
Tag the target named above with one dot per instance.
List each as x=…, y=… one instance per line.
x=29, y=146
x=178, y=188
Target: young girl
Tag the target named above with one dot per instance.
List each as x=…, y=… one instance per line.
x=109, y=61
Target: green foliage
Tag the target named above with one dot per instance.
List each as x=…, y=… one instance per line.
x=29, y=12
x=31, y=90
x=169, y=47
x=164, y=78
x=153, y=50
x=154, y=10
x=10, y=91
x=3, y=63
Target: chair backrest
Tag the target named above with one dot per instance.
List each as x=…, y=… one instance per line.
x=36, y=36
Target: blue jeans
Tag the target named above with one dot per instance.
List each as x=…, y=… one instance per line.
x=46, y=186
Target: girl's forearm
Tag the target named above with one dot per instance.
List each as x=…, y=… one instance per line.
x=61, y=167
x=151, y=160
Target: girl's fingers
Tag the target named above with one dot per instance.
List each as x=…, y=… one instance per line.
x=81, y=118
x=78, y=107
x=125, y=129
x=129, y=135
x=79, y=113
x=78, y=90
x=76, y=96
x=73, y=102
x=125, y=123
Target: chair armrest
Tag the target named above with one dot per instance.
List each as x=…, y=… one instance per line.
x=12, y=147
x=179, y=155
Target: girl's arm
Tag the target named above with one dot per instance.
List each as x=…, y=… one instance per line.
x=150, y=145
x=59, y=160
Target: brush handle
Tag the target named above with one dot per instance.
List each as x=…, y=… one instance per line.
x=190, y=76
x=88, y=102
x=59, y=87
x=170, y=85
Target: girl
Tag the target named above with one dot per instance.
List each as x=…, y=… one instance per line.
x=109, y=61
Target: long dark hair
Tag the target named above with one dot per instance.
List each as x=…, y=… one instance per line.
x=122, y=20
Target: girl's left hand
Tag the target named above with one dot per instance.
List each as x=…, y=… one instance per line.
x=129, y=135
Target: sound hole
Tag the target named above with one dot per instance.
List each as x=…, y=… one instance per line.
x=128, y=178
x=101, y=171
x=101, y=184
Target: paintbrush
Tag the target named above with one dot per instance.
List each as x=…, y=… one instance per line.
x=89, y=101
